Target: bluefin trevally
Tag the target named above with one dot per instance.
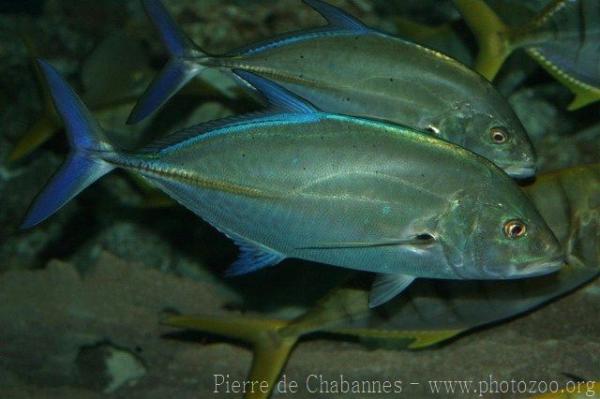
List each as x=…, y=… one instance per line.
x=434, y=311
x=295, y=182
x=349, y=68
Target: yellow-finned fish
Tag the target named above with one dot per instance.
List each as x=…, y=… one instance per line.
x=562, y=38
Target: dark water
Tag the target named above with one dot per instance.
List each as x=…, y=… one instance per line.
x=92, y=283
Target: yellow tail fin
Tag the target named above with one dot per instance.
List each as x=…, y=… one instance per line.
x=491, y=33
x=271, y=350
x=48, y=124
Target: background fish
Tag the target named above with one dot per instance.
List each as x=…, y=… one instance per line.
x=562, y=38
x=384, y=78
x=444, y=38
x=112, y=76
x=434, y=311
x=334, y=189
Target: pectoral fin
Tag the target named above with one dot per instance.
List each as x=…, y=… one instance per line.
x=387, y=286
x=418, y=241
x=280, y=98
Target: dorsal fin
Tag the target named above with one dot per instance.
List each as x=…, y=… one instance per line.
x=277, y=96
x=337, y=17
x=183, y=135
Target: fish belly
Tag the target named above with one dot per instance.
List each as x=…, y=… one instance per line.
x=328, y=191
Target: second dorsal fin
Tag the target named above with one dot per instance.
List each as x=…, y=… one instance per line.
x=337, y=17
x=277, y=96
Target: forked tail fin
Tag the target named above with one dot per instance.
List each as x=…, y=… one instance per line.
x=83, y=165
x=182, y=67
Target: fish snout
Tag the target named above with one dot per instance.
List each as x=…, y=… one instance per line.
x=522, y=171
x=540, y=267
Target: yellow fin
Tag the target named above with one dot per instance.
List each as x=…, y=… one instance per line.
x=424, y=339
x=42, y=130
x=337, y=306
x=48, y=124
x=491, y=33
x=415, y=339
x=584, y=93
x=271, y=350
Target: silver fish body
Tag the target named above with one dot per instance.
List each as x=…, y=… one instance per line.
x=335, y=189
x=390, y=79
x=348, y=68
x=344, y=191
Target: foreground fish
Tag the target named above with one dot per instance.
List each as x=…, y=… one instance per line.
x=562, y=38
x=434, y=311
x=348, y=68
x=349, y=192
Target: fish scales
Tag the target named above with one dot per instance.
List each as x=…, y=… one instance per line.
x=348, y=68
x=332, y=171
x=569, y=201
x=379, y=85
x=330, y=188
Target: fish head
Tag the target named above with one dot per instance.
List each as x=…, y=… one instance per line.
x=501, y=239
x=494, y=133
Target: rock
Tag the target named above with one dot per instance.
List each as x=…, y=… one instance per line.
x=49, y=317
x=107, y=368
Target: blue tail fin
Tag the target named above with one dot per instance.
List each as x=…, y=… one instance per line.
x=83, y=166
x=182, y=67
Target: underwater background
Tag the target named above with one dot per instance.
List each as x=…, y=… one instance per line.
x=82, y=296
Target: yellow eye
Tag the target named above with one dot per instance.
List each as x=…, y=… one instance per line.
x=514, y=229
x=498, y=135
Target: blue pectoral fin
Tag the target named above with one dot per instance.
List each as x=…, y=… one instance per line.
x=252, y=257
x=185, y=63
x=337, y=17
x=83, y=166
x=276, y=95
x=387, y=286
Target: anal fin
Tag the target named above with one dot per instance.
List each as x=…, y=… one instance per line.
x=252, y=257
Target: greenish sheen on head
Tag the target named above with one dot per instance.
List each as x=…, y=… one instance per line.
x=492, y=131
x=506, y=239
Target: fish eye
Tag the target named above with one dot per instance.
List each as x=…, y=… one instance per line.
x=425, y=237
x=433, y=129
x=514, y=229
x=498, y=135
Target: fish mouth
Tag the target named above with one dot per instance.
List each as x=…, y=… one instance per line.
x=520, y=171
x=539, y=268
